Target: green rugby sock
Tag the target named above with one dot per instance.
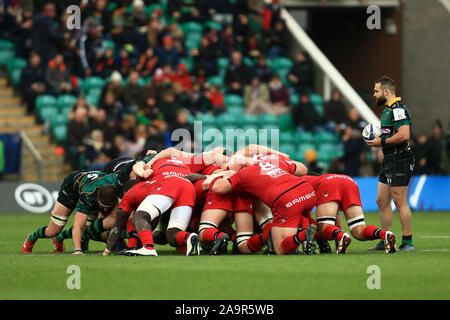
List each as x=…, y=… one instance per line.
x=407, y=240
x=38, y=234
x=65, y=234
x=94, y=231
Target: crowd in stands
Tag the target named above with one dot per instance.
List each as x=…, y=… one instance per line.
x=159, y=64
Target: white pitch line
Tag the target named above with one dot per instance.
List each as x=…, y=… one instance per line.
x=434, y=250
x=435, y=237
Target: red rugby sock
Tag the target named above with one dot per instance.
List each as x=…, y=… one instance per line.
x=372, y=232
x=332, y=233
x=289, y=245
x=211, y=234
x=146, y=237
x=181, y=238
x=267, y=227
x=255, y=243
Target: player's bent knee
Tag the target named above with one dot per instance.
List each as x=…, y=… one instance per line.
x=241, y=241
x=358, y=232
x=205, y=225
x=171, y=236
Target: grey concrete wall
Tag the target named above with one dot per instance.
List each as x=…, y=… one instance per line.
x=426, y=62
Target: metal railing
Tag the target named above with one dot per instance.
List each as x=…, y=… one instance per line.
x=35, y=153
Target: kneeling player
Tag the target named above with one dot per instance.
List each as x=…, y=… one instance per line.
x=340, y=192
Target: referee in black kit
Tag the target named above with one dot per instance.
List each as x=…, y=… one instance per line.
x=398, y=162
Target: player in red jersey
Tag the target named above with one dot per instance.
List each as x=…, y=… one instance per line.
x=272, y=179
x=167, y=189
x=337, y=192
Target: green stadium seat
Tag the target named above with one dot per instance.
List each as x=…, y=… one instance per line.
x=286, y=138
x=207, y=120
x=93, y=83
x=222, y=63
x=215, y=80
x=267, y=120
x=213, y=25
x=236, y=111
x=192, y=27
x=295, y=99
x=249, y=120
x=316, y=98
x=60, y=133
x=66, y=100
x=324, y=137
x=59, y=120
x=5, y=56
x=282, y=63
x=45, y=100
x=288, y=149
x=233, y=100
x=226, y=119
x=304, y=137
x=48, y=113
x=326, y=152
x=285, y=122
x=109, y=44
x=248, y=61
x=16, y=64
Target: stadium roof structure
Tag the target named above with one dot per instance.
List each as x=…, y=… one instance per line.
x=339, y=3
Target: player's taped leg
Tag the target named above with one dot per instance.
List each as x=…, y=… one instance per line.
x=155, y=205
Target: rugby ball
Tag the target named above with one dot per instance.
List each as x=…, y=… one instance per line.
x=370, y=131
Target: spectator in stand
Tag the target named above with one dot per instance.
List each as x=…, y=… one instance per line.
x=271, y=15
x=138, y=14
x=305, y=116
x=180, y=137
x=238, y=74
x=302, y=74
x=182, y=77
x=98, y=11
x=114, y=89
x=82, y=103
x=159, y=86
x=91, y=48
x=127, y=126
x=420, y=151
x=257, y=98
x=216, y=99
x=32, y=81
x=169, y=106
x=311, y=162
x=154, y=27
x=105, y=65
x=130, y=36
x=276, y=40
x=241, y=29
x=334, y=112
x=253, y=46
x=136, y=145
x=155, y=139
x=168, y=54
x=195, y=100
x=353, y=144
x=205, y=58
x=227, y=41
x=57, y=77
x=44, y=35
x=22, y=32
x=133, y=94
x=77, y=130
x=123, y=61
x=221, y=11
x=262, y=71
x=147, y=63
x=97, y=151
x=100, y=122
x=435, y=148
x=151, y=110
x=279, y=96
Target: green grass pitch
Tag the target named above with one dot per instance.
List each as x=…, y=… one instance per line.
x=423, y=274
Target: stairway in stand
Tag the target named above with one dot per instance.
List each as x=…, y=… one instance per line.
x=14, y=119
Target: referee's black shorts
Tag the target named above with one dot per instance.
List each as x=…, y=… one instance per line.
x=396, y=170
